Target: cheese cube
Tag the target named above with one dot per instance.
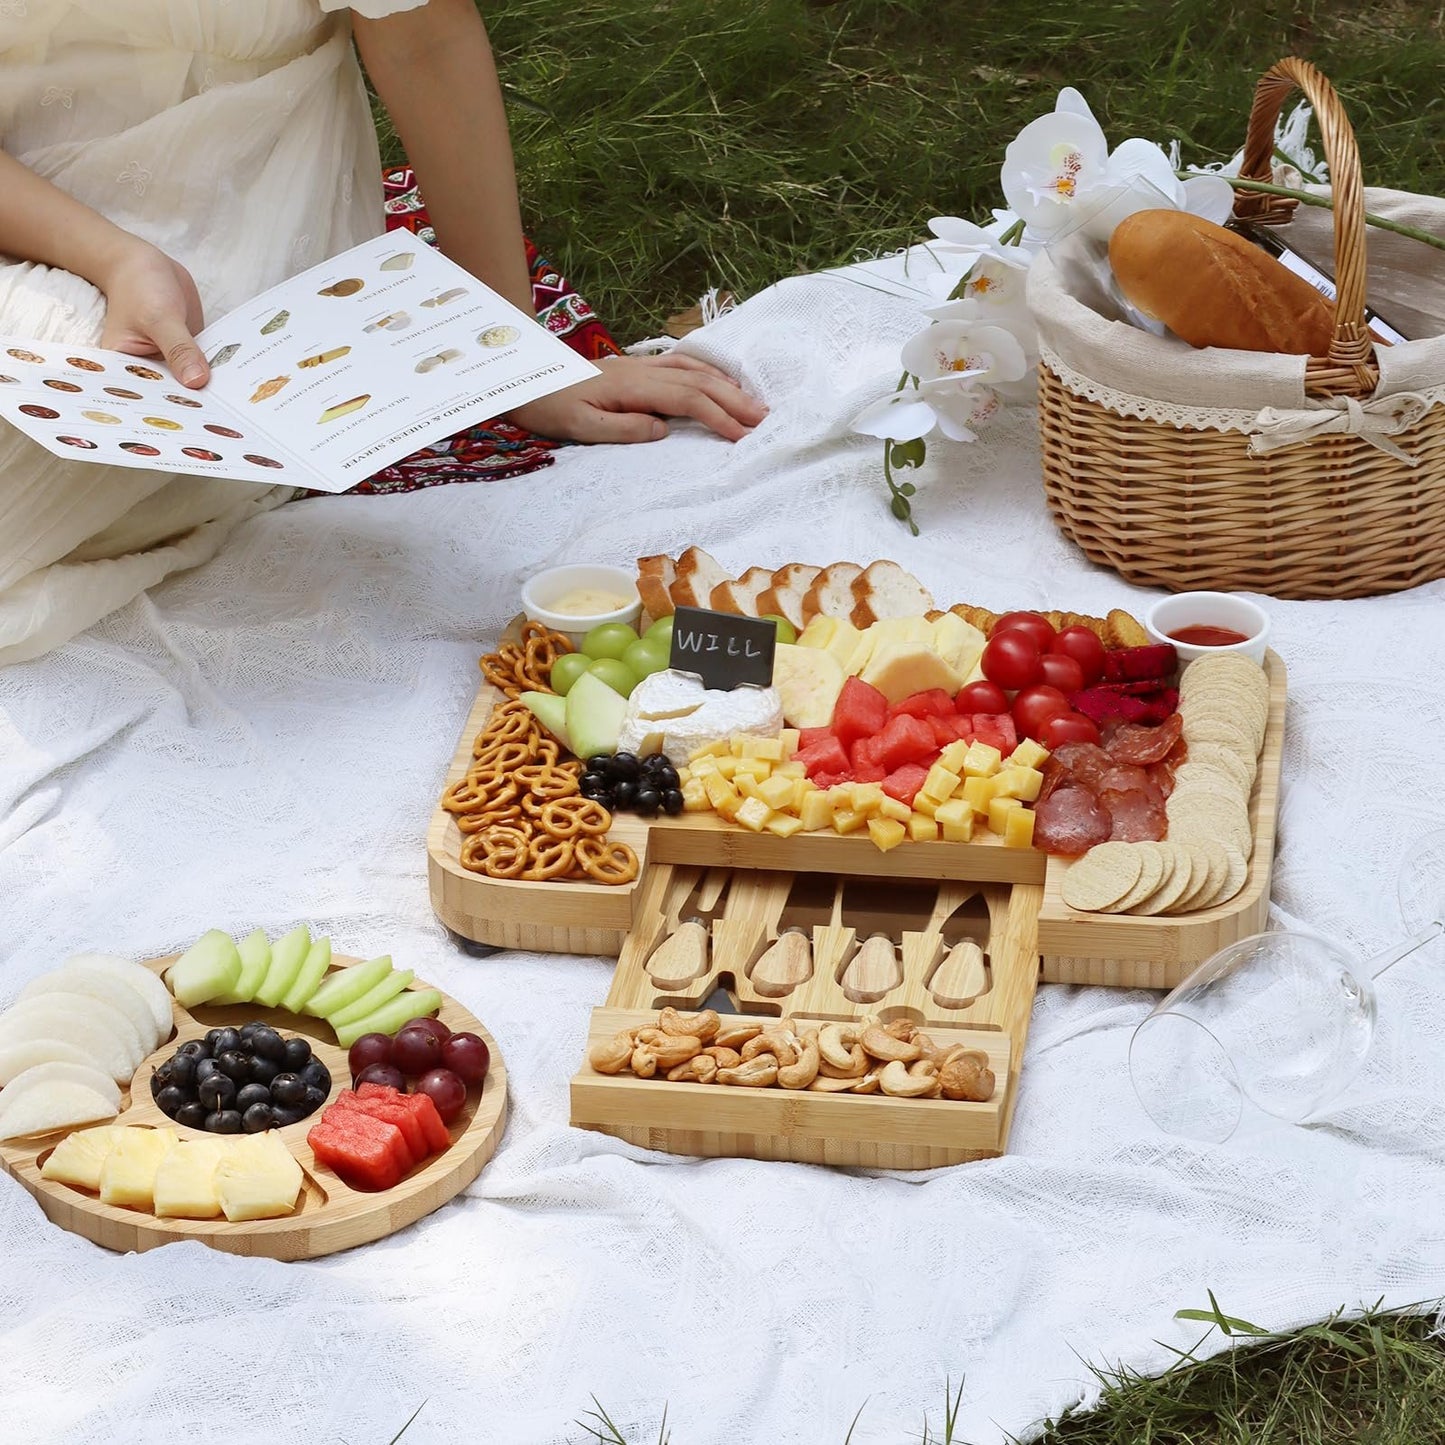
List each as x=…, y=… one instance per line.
x=776, y=792
x=940, y=782
x=892, y=808
x=802, y=788
x=1018, y=828
x=922, y=803
x=700, y=767
x=753, y=746
x=747, y=785
x=128, y=1176
x=1023, y=783
x=753, y=813
x=981, y=760
x=847, y=821
x=922, y=828
x=953, y=755
x=955, y=817
x=998, y=811
x=258, y=1178
x=694, y=797
x=789, y=740
x=789, y=770
x=816, y=811
x=759, y=768
x=727, y=766
x=717, y=789
x=185, y=1186
x=1029, y=754
x=978, y=793
x=785, y=825
x=718, y=748
x=79, y=1157
x=886, y=833
x=866, y=797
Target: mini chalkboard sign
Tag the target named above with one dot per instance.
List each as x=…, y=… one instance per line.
x=725, y=650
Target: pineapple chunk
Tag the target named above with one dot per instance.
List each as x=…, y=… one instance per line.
x=747, y=785
x=953, y=755
x=753, y=813
x=788, y=742
x=717, y=789
x=886, y=833
x=694, y=797
x=758, y=768
x=922, y=803
x=981, y=760
x=922, y=828
x=700, y=767
x=1018, y=828
x=998, y=811
x=959, y=643
x=940, y=782
x=816, y=811
x=848, y=821
x=185, y=1185
x=776, y=792
x=718, y=748
x=128, y=1176
x=769, y=749
x=258, y=1178
x=785, y=825
x=78, y=1158
x=790, y=770
x=892, y=808
x=1022, y=783
x=802, y=788
x=866, y=798
x=978, y=793
x=730, y=804
x=1029, y=754
x=832, y=634
x=955, y=817
x=727, y=766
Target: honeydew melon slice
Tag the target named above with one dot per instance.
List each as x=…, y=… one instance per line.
x=206, y=970
x=60, y=1015
x=49, y=1107
x=393, y=984
x=255, y=951
x=78, y=978
x=288, y=953
x=347, y=985
x=143, y=980
x=16, y=1058
x=414, y=1004
x=313, y=970
x=87, y=1075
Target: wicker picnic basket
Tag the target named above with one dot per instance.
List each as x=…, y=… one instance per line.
x=1172, y=488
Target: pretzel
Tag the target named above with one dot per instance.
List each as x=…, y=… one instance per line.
x=506, y=728
x=548, y=858
x=466, y=795
x=547, y=782
x=499, y=851
x=501, y=757
x=568, y=817
x=610, y=863
x=508, y=815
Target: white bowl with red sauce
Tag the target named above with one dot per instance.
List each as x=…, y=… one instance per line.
x=1199, y=624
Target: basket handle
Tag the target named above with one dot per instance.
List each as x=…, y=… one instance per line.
x=1352, y=343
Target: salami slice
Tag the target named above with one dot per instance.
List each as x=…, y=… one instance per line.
x=1071, y=822
x=1085, y=763
x=1126, y=778
x=1135, y=816
x=1055, y=776
x=1138, y=744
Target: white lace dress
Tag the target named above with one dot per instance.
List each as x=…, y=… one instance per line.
x=236, y=136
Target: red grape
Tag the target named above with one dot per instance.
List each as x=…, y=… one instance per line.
x=982, y=696
x=1084, y=646
x=387, y=1074
x=1039, y=628
x=367, y=1050
x=1063, y=672
x=1034, y=706
x=1068, y=727
x=431, y=1026
x=1011, y=659
x=416, y=1050
x=447, y=1092
x=467, y=1056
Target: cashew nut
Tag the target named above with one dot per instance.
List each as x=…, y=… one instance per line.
x=802, y=1073
x=868, y=1084
x=896, y=1080
x=902, y=1029
x=700, y=1069
x=703, y=1026
x=965, y=1074
x=824, y=1085
x=838, y=1046
x=670, y=1049
x=784, y=1046
x=735, y=1035
x=927, y=1044
x=724, y=1058
x=887, y=1049
x=758, y=1072
x=612, y=1056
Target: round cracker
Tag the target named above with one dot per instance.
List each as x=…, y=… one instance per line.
x=1176, y=882
x=1235, y=872
x=1217, y=758
x=1151, y=870
x=1217, y=728
x=1210, y=869
x=1101, y=877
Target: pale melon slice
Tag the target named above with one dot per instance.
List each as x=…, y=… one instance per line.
x=42, y=1075
x=80, y=978
x=141, y=979
x=103, y=1032
x=209, y=968
x=47, y=1108
x=255, y=951
x=347, y=985
x=16, y=1058
x=288, y=954
x=79, y=1157
x=313, y=970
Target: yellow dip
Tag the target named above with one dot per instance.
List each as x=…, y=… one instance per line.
x=587, y=602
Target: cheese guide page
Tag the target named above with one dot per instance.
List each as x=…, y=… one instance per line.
x=321, y=381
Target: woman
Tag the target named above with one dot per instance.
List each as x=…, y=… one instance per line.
x=145, y=145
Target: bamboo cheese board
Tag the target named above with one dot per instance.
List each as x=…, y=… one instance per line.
x=1073, y=947
x=330, y=1215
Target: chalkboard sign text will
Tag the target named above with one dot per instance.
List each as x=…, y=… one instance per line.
x=725, y=650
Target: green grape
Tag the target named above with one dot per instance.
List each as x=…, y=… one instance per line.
x=646, y=657
x=608, y=639
x=615, y=673
x=786, y=631
x=566, y=670
x=660, y=631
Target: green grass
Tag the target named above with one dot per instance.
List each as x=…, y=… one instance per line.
x=666, y=146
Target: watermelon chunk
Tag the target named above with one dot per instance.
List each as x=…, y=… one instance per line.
x=997, y=730
x=811, y=737
x=420, y=1105
x=392, y=1111
x=935, y=702
x=860, y=712
x=826, y=756
x=903, y=783
x=832, y=780
x=906, y=739
x=944, y=731
x=363, y=1159
x=869, y=772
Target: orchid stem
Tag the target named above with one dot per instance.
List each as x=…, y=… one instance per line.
x=1306, y=198
x=1013, y=235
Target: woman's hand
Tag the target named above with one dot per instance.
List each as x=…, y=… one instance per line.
x=628, y=401
x=153, y=309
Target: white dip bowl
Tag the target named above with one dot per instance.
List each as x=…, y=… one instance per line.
x=543, y=593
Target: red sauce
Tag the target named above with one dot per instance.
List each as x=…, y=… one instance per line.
x=1202, y=635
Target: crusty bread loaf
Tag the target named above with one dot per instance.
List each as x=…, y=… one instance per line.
x=697, y=575
x=884, y=589
x=1212, y=287
x=654, y=576
x=742, y=596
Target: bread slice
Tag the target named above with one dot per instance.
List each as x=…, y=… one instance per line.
x=654, y=577
x=742, y=596
x=884, y=589
x=788, y=592
x=830, y=594
x=697, y=575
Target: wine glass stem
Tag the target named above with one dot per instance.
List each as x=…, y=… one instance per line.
x=1391, y=956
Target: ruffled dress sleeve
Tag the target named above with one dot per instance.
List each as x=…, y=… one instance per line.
x=373, y=9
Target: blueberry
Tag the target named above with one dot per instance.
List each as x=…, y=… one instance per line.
x=157, y=1084
x=212, y=1038
x=593, y=785
x=235, y=1066
x=204, y=1069
x=183, y=1070
x=169, y=1101
x=163, y=1074
x=288, y=1090
x=228, y=1121
x=266, y=1043
x=216, y=1091
x=194, y=1049
x=298, y=1054
x=257, y=1119
x=314, y=1099
x=624, y=766
x=622, y=794
x=248, y=1031
x=647, y=801
x=599, y=762
x=672, y=802
x=264, y=1070
x=317, y=1076
x=283, y=1116
x=226, y=1041
x=193, y=1115
x=252, y=1094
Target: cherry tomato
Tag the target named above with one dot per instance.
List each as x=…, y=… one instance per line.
x=1062, y=672
x=1067, y=727
x=1011, y=659
x=1085, y=648
x=1039, y=628
x=982, y=697
x=1034, y=706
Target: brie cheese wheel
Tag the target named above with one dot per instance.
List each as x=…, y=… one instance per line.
x=673, y=713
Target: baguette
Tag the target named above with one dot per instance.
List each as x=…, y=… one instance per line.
x=788, y=592
x=654, y=576
x=884, y=589
x=742, y=596
x=830, y=594
x=697, y=575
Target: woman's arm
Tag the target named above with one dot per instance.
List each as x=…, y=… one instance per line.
x=152, y=307
x=433, y=69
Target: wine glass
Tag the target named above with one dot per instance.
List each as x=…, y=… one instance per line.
x=1279, y=1022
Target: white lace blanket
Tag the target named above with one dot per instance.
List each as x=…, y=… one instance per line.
x=261, y=742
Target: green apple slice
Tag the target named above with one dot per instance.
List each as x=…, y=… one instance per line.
x=595, y=714
x=288, y=953
x=551, y=711
x=206, y=970
x=347, y=985
x=388, y=1019
x=313, y=970
x=255, y=953
x=373, y=999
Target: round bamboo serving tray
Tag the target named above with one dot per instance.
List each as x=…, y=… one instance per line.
x=330, y=1216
